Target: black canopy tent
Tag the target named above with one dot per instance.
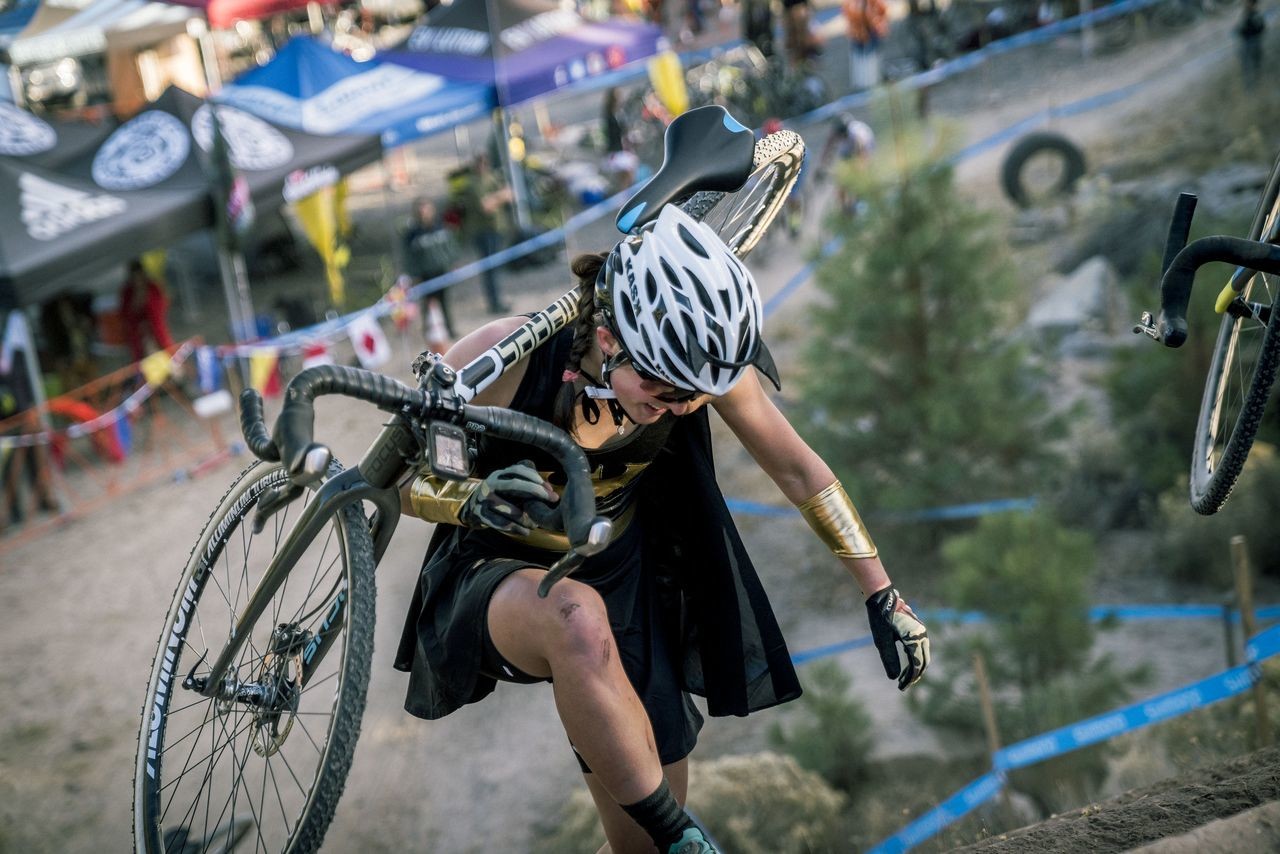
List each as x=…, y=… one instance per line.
x=53, y=225
x=43, y=141
x=143, y=186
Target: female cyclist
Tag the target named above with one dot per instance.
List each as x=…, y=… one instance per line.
x=670, y=324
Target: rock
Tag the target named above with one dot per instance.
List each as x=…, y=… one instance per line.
x=1079, y=300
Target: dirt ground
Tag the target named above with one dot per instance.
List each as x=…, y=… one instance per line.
x=82, y=608
x=1231, y=807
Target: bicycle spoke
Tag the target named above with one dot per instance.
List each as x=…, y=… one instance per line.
x=275, y=784
x=220, y=763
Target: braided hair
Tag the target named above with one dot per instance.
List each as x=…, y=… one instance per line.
x=585, y=268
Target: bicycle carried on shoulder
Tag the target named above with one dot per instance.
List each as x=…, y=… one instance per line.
x=258, y=685
x=1247, y=350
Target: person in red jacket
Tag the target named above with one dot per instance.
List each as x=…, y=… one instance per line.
x=868, y=24
x=144, y=305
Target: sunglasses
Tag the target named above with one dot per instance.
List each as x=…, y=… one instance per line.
x=676, y=395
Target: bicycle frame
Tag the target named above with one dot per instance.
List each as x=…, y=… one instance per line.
x=374, y=478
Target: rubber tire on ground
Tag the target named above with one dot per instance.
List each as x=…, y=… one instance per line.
x=1015, y=161
x=1211, y=489
x=236, y=508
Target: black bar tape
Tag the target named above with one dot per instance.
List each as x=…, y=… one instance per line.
x=295, y=428
x=1179, y=229
x=1175, y=286
x=254, y=427
x=578, y=502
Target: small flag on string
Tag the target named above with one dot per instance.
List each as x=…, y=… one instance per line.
x=369, y=342
x=437, y=330
x=208, y=370
x=262, y=371
x=316, y=353
x=403, y=310
x=156, y=368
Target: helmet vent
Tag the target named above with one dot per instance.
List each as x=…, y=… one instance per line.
x=669, y=273
x=691, y=241
x=703, y=297
x=650, y=286
x=629, y=313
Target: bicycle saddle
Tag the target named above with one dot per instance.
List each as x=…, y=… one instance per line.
x=704, y=150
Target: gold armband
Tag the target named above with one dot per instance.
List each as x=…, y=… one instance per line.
x=835, y=520
x=439, y=500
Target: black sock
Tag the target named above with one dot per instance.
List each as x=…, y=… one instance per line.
x=660, y=816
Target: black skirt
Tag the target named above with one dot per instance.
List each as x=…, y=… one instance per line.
x=443, y=643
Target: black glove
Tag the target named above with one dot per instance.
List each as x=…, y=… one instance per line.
x=513, y=500
x=892, y=623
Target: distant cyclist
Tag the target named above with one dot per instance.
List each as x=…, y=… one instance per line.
x=851, y=141
x=670, y=326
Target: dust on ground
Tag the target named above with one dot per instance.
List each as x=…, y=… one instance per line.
x=1229, y=807
x=83, y=607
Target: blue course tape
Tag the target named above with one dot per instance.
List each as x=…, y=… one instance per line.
x=1100, y=728
x=958, y=805
x=1125, y=613
x=817, y=652
x=954, y=511
x=1106, y=726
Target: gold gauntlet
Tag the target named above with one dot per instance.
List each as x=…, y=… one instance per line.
x=439, y=500
x=835, y=520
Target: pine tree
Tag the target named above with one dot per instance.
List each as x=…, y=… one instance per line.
x=916, y=392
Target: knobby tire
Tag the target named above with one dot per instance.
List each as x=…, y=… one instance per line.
x=1216, y=463
x=167, y=768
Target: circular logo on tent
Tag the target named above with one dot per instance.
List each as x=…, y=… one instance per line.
x=254, y=144
x=22, y=133
x=143, y=152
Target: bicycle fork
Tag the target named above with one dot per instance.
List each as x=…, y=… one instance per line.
x=309, y=650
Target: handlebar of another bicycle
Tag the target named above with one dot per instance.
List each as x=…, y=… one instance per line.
x=1175, y=284
x=306, y=461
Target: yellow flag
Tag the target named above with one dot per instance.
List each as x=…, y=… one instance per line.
x=342, y=215
x=319, y=217
x=153, y=264
x=667, y=76
x=262, y=371
x=156, y=368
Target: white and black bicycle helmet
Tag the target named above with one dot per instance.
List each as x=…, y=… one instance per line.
x=684, y=308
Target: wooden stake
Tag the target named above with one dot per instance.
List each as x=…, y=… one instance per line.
x=988, y=707
x=1244, y=596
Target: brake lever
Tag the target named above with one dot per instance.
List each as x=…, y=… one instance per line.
x=1146, y=325
x=597, y=539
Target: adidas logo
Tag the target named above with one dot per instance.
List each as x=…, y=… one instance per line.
x=49, y=210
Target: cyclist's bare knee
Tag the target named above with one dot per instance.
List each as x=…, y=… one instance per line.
x=570, y=625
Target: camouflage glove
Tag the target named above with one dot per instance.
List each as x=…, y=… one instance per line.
x=892, y=623
x=514, y=500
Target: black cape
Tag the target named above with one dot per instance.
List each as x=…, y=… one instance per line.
x=734, y=654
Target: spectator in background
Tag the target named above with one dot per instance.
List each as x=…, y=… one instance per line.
x=144, y=307
x=68, y=326
x=1250, y=32
x=800, y=43
x=485, y=205
x=757, y=24
x=620, y=162
x=868, y=24
x=430, y=250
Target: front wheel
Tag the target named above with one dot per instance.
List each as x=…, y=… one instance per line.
x=741, y=218
x=1242, y=372
x=260, y=765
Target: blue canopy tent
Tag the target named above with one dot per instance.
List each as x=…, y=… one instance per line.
x=310, y=87
x=522, y=48
x=13, y=22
